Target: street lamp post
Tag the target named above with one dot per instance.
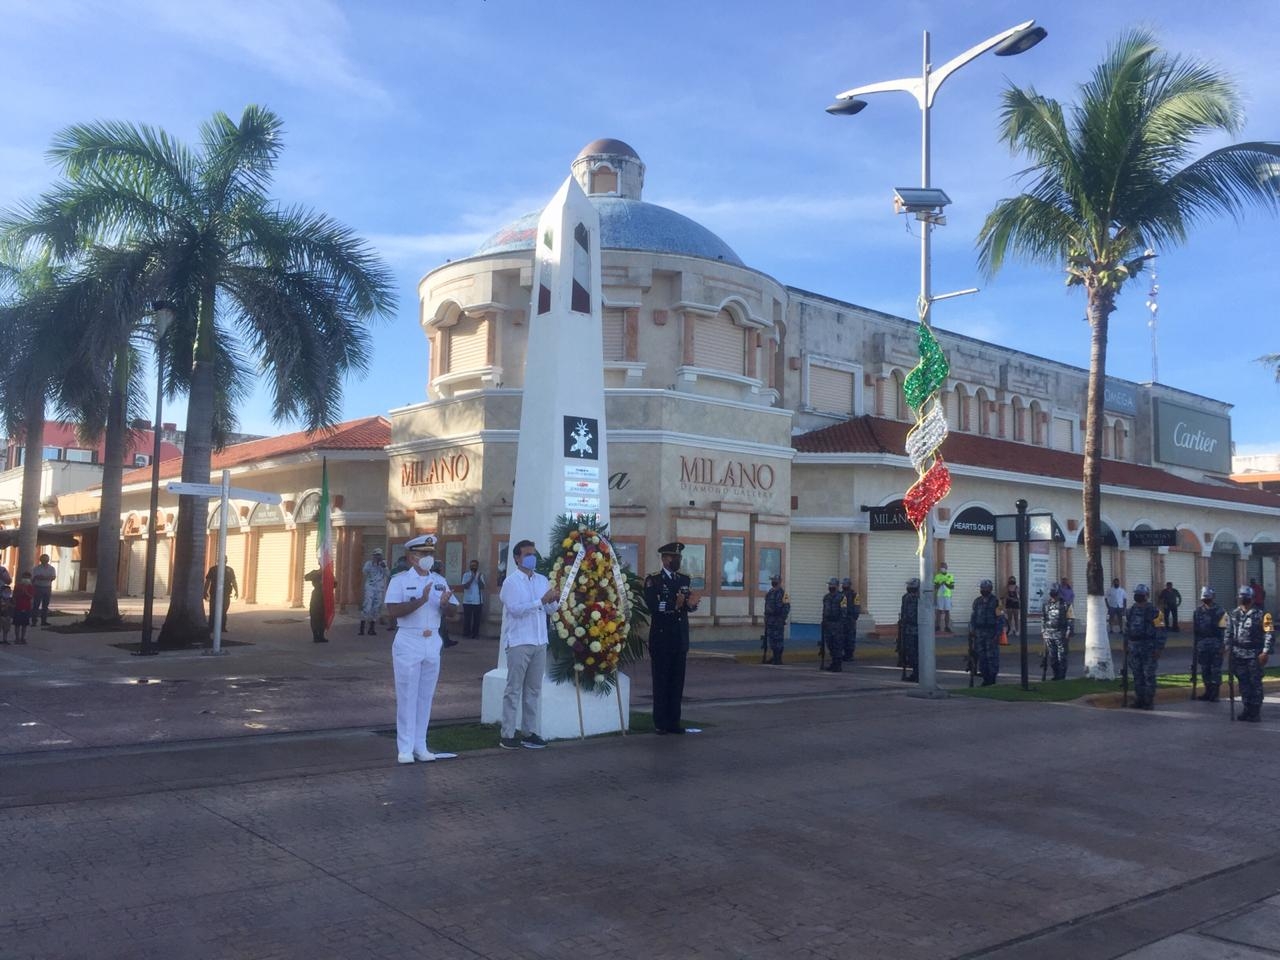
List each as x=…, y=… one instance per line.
x=162, y=315
x=924, y=88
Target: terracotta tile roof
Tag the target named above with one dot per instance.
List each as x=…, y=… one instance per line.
x=875, y=435
x=367, y=433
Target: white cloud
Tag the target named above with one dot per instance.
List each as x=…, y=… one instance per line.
x=413, y=248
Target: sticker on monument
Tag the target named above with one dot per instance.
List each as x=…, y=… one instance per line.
x=580, y=438
x=573, y=471
x=582, y=487
x=579, y=504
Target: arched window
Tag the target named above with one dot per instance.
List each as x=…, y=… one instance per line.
x=1019, y=414
x=983, y=418
x=604, y=179
x=898, y=400
x=466, y=345
x=1108, y=431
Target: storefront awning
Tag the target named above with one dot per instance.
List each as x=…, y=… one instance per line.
x=53, y=535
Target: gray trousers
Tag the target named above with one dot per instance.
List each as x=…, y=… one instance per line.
x=526, y=665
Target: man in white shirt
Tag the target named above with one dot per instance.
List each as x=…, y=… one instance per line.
x=473, y=586
x=416, y=598
x=527, y=599
x=1117, y=600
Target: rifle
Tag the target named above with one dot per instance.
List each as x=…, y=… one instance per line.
x=822, y=649
x=971, y=663
x=902, y=659
x=1124, y=670
x=1044, y=662
x=1195, y=662
x=764, y=647
x=1231, y=679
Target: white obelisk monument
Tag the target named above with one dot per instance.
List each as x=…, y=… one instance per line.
x=562, y=463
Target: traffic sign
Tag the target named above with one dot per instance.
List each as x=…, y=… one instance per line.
x=215, y=490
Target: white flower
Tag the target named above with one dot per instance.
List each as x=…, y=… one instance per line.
x=578, y=667
x=579, y=631
x=601, y=678
x=577, y=548
x=595, y=646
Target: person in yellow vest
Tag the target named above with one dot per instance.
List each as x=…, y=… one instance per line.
x=944, y=584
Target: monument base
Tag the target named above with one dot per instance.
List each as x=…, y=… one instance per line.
x=558, y=708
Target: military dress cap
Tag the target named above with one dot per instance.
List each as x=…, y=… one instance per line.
x=833, y=582
x=1206, y=593
x=1246, y=593
x=421, y=544
x=675, y=547
x=377, y=551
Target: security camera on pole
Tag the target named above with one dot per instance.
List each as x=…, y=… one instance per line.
x=562, y=464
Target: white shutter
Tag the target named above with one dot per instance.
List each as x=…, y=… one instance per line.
x=719, y=344
x=310, y=560
x=163, y=546
x=815, y=558
x=237, y=544
x=830, y=390
x=891, y=562
x=468, y=345
x=970, y=560
x=1137, y=569
x=272, y=587
x=614, y=334
x=137, y=579
x=1063, y=434
x=1180, y=569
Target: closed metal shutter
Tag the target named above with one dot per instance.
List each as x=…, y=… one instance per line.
x=719, y=344
x=237, y=544
x=1063, y=434
x=891, y=562
x=815, y=558
x=1137, y=569
x=468, y=345
x=1222, y=577
x=1180, y=570
x=614, y=334
x=272, y=587
x=137, y=581
x=970, y=560
x=831, y=391
x=310, y=561
x=163, y=546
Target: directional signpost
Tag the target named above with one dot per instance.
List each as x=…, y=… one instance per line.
x=225, y=492
x=1023, y=528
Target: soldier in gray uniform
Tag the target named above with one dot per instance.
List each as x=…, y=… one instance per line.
x=849, y=619
x=1055, y=626
x=909, y=629
x=832, y=612
x=982, y=624
x=1144, y=628
x=1250, y=637
x=777, y=607
x=1208, y=621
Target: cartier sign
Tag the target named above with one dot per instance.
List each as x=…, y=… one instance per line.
x=1192, y=438
x=446, y=468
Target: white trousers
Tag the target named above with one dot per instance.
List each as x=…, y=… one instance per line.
x=415, y=659
x=526, y=663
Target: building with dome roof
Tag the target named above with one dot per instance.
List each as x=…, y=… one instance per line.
x=763, y=426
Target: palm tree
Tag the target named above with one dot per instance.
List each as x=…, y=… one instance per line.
x=1113, y=178
x=261, y=292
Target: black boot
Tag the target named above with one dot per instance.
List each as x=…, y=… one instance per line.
x=835, y=667
x=373, y=624
x=361, y=629
x=777, y=658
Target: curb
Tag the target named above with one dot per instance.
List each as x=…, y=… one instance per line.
x=1111, y=701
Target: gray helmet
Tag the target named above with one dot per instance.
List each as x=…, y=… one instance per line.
x=985, y=585
x=1206, y=593
x=1246, y=593
x=1141, y=590
x=913, y=583
x=1054, y=590
x=833, y=582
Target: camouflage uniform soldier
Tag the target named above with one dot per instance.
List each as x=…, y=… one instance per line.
x=1251, y=638
x=982, y=624
x=849, y=619
x=777, y=607
x=832, y=613
x=909, y=629
x=1057, y=622
x=1144, y=628
x=1208, y=622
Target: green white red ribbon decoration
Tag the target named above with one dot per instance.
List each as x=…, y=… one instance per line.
x=922, y=388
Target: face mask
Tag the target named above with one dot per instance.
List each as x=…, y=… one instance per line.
x=529, y=561
x=674, y=565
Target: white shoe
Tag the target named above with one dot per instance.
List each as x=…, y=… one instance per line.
x=404, y=758
x=428, y=757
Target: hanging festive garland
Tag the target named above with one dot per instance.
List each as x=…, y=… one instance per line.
x=592, y=633
x=921, y=390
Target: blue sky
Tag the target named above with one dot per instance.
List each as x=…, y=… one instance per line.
x=428, y=125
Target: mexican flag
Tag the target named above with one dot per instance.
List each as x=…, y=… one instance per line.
x=324, y=530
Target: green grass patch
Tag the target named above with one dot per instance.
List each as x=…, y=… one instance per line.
x=463, y=737
x=1048, y=692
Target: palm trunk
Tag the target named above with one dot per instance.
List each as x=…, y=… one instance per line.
x=1097, y=643
x=32, y=464
x=105, y=608
x=186, y=622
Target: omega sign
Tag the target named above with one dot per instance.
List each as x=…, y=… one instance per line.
x=447, y=468
x=753, y=479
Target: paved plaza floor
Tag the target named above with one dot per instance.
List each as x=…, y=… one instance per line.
x=818, y=816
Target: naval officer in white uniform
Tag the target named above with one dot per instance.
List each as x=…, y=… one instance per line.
x=416, y=598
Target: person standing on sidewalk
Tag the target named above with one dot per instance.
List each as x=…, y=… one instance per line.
x=527, y=600
x=23, y=600
x=1208, y=623
x=944, y=585
x=849, y=614
x=1117, y=603
x=669, y=596
x=473, y=587
x=418, y=599
x=1069, y=595
x=6, y=612
x=1144, y=627
x=1250, y=636
x=377, y=575
x=1012, y=604
x=315, y=609
x=909, y=630
x=1057, y=616
x=983, y=625
x=42, y=577
x=1170, y=600
x=832, y=614
x=777, y=607
x=229, y=586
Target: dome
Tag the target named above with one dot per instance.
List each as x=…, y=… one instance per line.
x=607, y=147
x=625, y=224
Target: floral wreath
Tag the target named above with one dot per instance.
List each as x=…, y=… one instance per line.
x=591, y=633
